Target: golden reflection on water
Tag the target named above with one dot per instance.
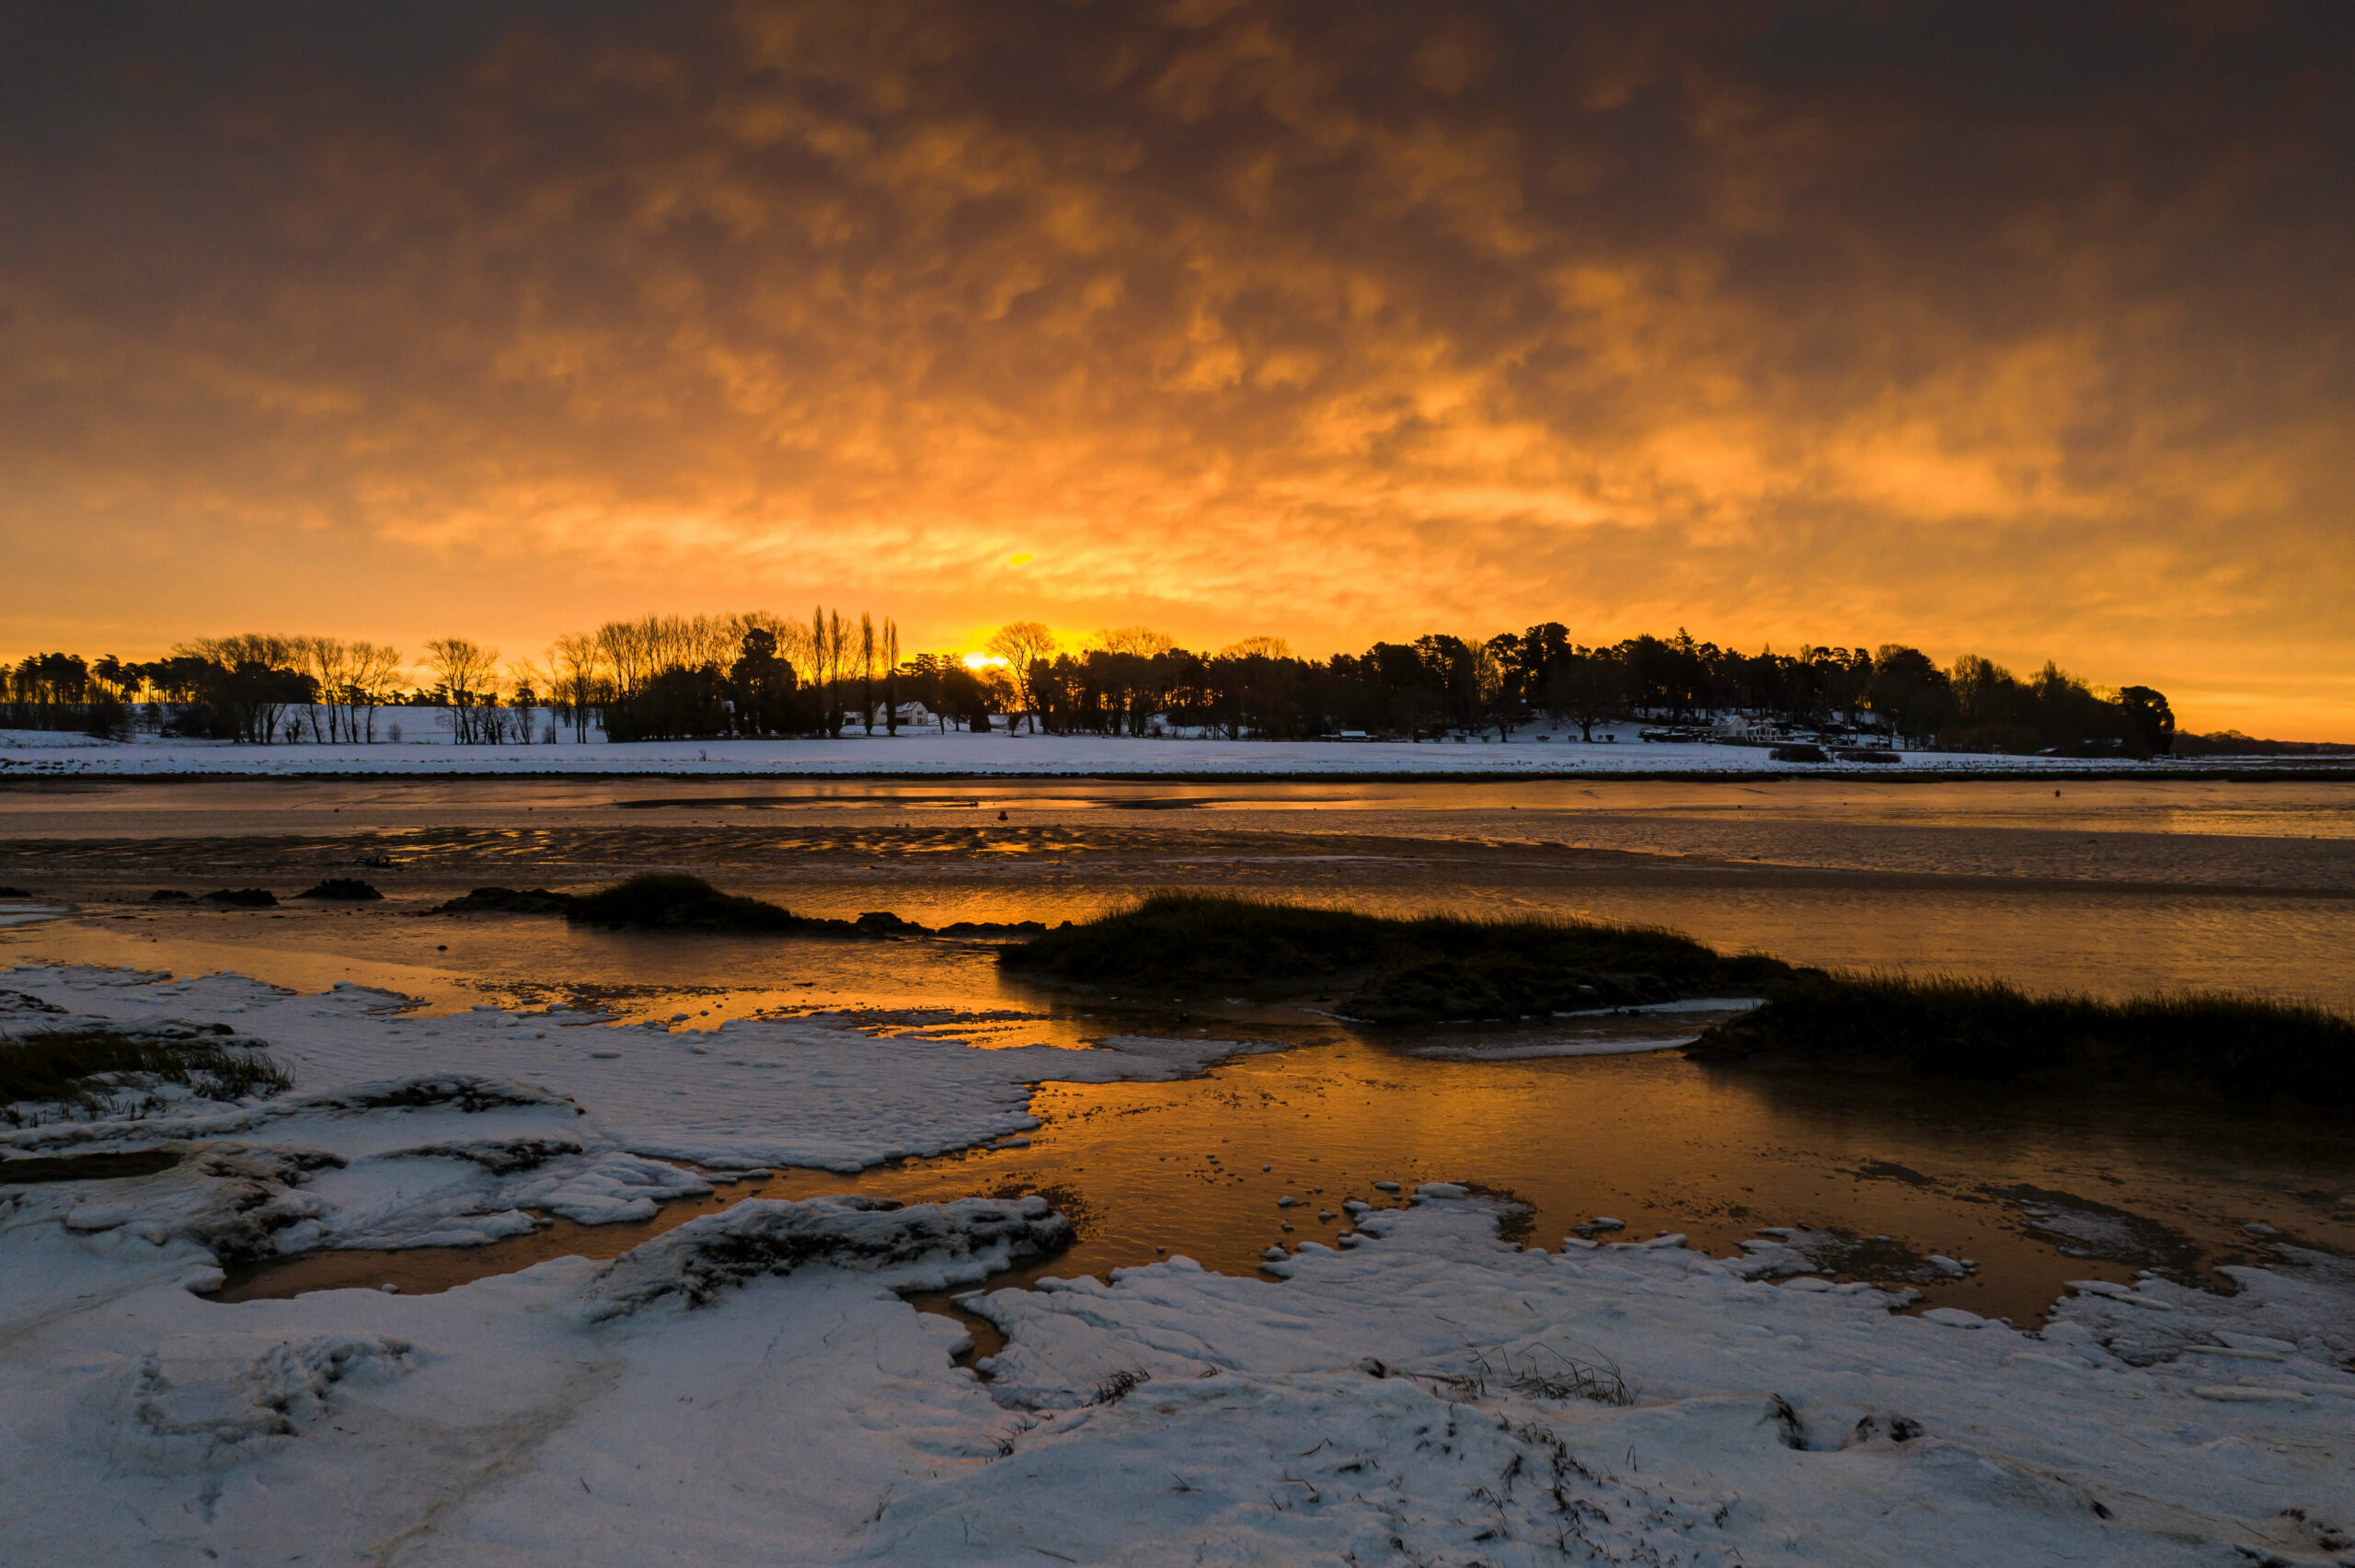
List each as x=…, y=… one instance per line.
x=1196, y=1167
x=2110, y=888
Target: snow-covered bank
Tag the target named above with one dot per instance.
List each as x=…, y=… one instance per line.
x=748, y=1386
x=25, y=753
x=813, y=1092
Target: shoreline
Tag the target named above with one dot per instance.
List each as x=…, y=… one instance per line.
x=961, y=758
x=2260, y=774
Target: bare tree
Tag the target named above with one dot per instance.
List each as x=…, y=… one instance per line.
x=890, y=677
x=467, y=674
x=376, y=673
x=1026, y=646
x=830, y=642
x=327, y=661
x=1142, y=641
x=578, y=662
x=260, y=678
x=623, y=648
x=528, y=685
x=867, y=670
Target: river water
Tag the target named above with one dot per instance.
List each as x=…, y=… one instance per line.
x=2110, y=887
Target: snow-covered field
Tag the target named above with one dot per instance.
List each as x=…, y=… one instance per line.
x=427, y=750
x=748, y=1387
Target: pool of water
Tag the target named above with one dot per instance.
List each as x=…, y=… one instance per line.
x=2103, y=887
x=2034, y=1192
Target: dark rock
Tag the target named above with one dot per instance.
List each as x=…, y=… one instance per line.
x=349, y=889
x=169, y=896
x=243, y=897
x=455, y=1090
x=993, y=928
x=1799, y=754
x=500, y=1156
x=14, y=893
x=709, y=1256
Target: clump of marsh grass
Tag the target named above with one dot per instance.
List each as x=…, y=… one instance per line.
x=664, y=900
x=1541, y=1372
x=1558, y=1376
x=671, y=900
x=1425, y=969
x=1119, y=1385
x=107, y=1070
x=1944, y=1027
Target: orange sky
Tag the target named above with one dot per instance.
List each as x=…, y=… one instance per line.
x=2017, y=331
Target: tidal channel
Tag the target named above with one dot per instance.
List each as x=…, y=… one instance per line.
x=2108, y=887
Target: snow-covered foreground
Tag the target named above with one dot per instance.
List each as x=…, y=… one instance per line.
x=921, y=753
x=749, y=1386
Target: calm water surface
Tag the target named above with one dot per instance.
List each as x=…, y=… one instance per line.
x=2110, y=888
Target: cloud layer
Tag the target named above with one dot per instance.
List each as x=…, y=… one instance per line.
x=2024, y=330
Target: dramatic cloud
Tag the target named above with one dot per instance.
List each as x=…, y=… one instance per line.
x=2023, y=330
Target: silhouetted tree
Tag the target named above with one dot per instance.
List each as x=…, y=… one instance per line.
x=1909, y=692
x=2150, y=722
x=1027, y=646
x=867, y=651
x=1587, y=688
x=762, y=686
x=466, y=682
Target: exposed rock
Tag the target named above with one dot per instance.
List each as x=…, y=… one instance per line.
x=965, y=1242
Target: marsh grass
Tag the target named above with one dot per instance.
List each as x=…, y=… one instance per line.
x=1541, y=1372
x=1120, y=1385
x=91, y=1069
x=1425, y=969
x=1943, y=1026
x=671, y=900
x=346, y=889
x=665, y=900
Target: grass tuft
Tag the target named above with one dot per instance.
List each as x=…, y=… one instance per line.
x=1120, y=1385
x=1425, y=969
x=87, y=1068
x=1987, y=1030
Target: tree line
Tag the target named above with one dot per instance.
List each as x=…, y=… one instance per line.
x=759, y=674
x=1439, y=684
